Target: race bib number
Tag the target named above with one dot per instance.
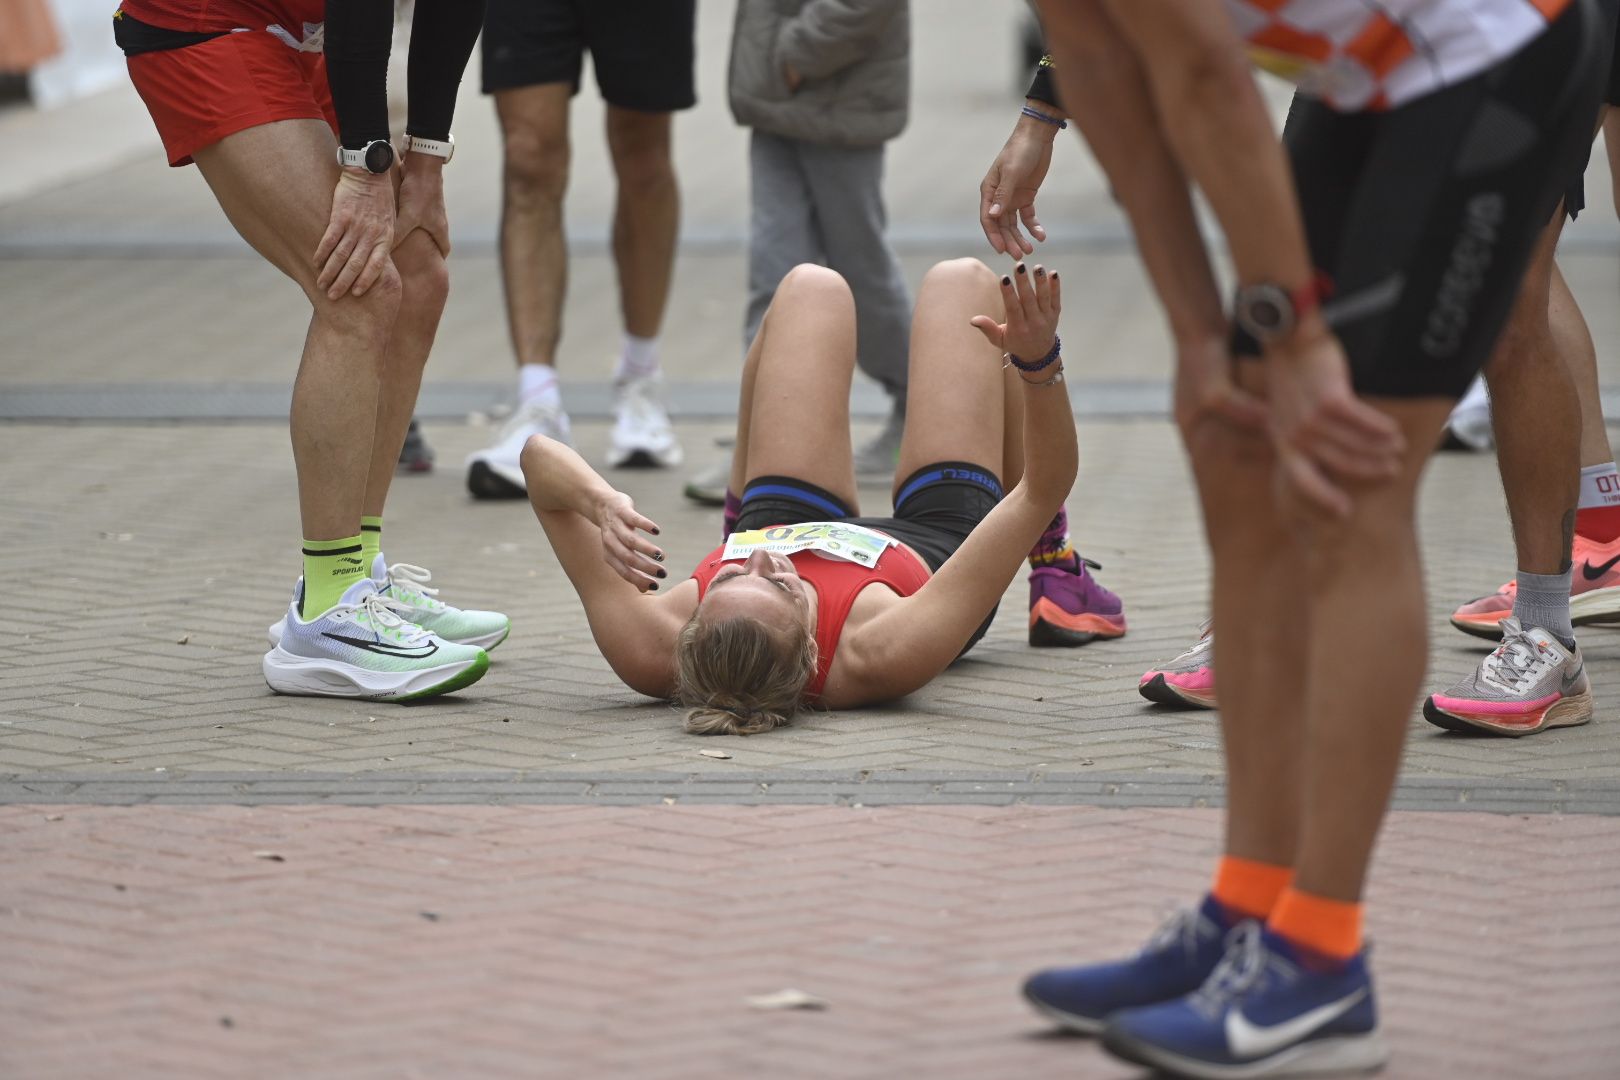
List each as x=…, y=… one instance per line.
x=829, y=539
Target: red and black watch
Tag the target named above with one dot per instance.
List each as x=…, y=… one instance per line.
x=1269, y=312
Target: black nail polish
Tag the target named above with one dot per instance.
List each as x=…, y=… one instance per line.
x=652, y=586
x=658, y=556
x=655, y=530
x=1005, y=280
x=1040, y=271
x=662, y=574
x=1020, y=268
x=1054, y=275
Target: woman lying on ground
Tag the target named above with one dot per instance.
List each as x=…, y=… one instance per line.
x=788, y=610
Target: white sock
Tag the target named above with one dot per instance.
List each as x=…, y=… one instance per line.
x=639, y=358
x=1600, y=486
x=537, y=384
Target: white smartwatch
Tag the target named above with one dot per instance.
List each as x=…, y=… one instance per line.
x=415, y=144
x=377, y=156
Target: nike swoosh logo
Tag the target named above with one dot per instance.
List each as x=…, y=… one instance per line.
x=1592, y=573
x=1248, y=1040
x=420, y=652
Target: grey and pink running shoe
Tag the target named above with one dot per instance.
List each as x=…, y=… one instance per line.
x=1531, y=682
x=1189, y=679
x=1069, y=607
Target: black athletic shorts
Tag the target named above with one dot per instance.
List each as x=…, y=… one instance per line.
x=1422, y=218
x=643, y=50
x=934, y=511
x=1609, y=13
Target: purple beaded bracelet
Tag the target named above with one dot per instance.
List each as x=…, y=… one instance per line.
x=1041, y=364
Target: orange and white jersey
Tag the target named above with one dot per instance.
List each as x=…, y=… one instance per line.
x=1377, y=54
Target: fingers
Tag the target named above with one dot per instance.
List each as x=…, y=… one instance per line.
x=372, y=269
x=634, y=557
x=354, y=262
x=993, y=331
x=337, y=258
x=1042, y=282
x=1242, y=408
x=1017, y=246
x=323, y=250
x=1302, y=474
x=1366, y=422
x=1026, y=294
x=1032, y=223
x=990, y=204
x=1014, y=307
x=1057, y=295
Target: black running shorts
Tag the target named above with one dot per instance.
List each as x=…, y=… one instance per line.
x=1423, y=218
x=643, y=50
x=934, y=511
x=1609, y=14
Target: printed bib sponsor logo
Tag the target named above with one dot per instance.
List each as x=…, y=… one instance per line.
x=829, y=539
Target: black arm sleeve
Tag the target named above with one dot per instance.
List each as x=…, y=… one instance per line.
x=359, y=36
x=442, y=37
x=1043, y=87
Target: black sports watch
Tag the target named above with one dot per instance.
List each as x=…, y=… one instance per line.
x=377, y=156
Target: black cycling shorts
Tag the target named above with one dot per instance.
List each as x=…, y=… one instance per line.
x=934, y=511
x=643, y=50
x=1609, y=11
x=1423, y=218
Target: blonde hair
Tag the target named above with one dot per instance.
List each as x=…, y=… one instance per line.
x=739, y=677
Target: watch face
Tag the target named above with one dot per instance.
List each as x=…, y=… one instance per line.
x=379, y=155
x=1265, y=313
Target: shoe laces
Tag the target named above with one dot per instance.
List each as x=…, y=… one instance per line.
x=1242, y=966
x=1515, y=662
x=412, y=581
x=1180, y=930
x=382, y=615
x=535, y=414
x=1205, y=642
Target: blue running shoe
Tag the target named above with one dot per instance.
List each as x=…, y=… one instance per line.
x=1173, y=964
x=1263, y=1013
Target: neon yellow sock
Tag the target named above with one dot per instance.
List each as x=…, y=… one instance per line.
x=370, y=539
x=330, y=567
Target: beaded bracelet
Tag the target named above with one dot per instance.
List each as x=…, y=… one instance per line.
x=1041, y=364
x=1036, y=114
x=1055, y=378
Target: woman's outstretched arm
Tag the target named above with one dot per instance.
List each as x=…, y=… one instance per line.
x=615, y=569
x=914, y=640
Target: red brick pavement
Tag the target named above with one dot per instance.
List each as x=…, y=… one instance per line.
x=586, y=942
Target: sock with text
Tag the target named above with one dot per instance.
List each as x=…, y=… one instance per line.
x=1597, y=515
x=330, y=567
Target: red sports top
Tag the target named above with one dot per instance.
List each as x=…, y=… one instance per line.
x=223, y=16
x=837, y=583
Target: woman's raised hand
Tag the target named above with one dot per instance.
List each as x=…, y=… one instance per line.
x=631, y=555
x=1032, y=300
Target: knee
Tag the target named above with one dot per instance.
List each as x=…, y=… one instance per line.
x=808, y=280
x=643, y=168
x=535, y=167
x=368, y=319
x=423, y=274
x=964, y=272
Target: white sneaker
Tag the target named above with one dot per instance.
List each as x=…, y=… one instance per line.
x=642, y=434
x=405, y=587
x=495, y=471
x=361, y=648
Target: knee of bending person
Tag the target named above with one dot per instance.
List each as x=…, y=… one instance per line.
x=369, y=316
x=424, y=275
x=535, y=166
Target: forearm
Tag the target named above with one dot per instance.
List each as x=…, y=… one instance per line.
x=1112, y=104
x=558, y=478
x=359, y=37
x=1051, y=456
x=1217, y=125
x=442, y=36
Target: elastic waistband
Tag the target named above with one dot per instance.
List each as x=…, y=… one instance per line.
x=786, y=487
x=948, y=472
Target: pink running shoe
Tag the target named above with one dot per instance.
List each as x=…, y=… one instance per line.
x=1189, y=679
x=1594, y=595
x=1530, y=683
x=1069, y=607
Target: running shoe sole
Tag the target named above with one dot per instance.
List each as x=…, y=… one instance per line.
x=1161, y=691
x=1565, y=712
x=643, y=459
x=487, y=642
x=484, y=481
x=1051, y=626
x=1329, y=1056
x=286, y=673
x=1080, y=1025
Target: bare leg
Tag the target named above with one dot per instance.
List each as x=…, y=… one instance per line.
x=1260, y=651
x=534, y=251
x=424, y=286
x=1536, y=415
x=646, y=217
x=1573, y=341
x=794, y=416
x=275, y=184
x=956, y=386
x=1365, y=586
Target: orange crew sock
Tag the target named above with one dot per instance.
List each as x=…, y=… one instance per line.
x=1330, y=929
x=1249, y=889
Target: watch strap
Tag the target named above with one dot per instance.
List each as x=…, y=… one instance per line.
x=351, y=159
x=440, y=148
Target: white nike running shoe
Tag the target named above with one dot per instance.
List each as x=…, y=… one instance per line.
x=642, y=435
x=496, y=472
x=1531, y=682
x=405, y=588
x=360, y=648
